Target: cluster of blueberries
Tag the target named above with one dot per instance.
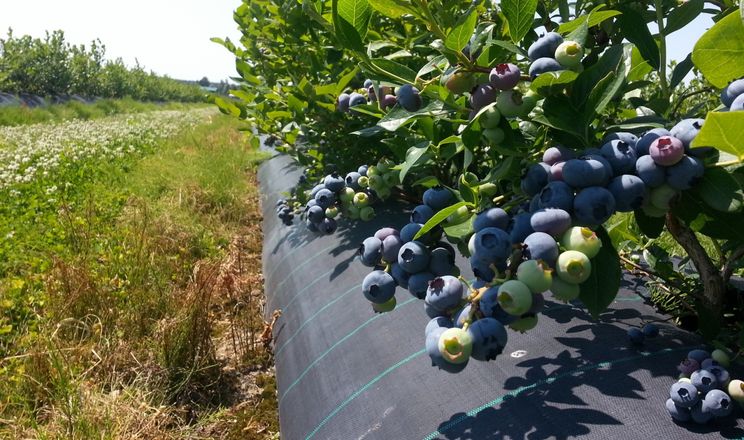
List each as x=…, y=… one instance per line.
x=550, y=53
x=733, y=96
x=406, y=95
x=627, y=173
x=705, y=390
x=284, y=212
x=399, y=260
x=637, y=336
x=352, y=196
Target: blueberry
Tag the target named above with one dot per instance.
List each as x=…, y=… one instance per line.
x=536, y=275
x=557, y=194
x=732, y=91
x=388, y=101
x=722, y=375
x=327, y=226
x=363, y=170
x=482, y=269
x=621, y=156
x=535, y=178
x=325, y=198
x=649, y=172
x=399, y=275
x=312, y=227
x=645, y=141
x=491, y=218
x=552, y=221
x=585, y=171
x=520, y=227
x=492, y=244
x=718, y=403
x=569, y=54
x=686, y=130
x=512, y=104
x=390, y=247
x=315, y=189
x=698, y=355
x=683, y=394
x=688, y=366
x=421, y=214
x=432, y=349
x=482, y=95
x=413, y=257
x=538, y=304
x=738, y=104
x=666, y=150
x=677, y=412
x=409, y=231
x=342, y=102
x=437, y=198
x=437, y=322
x=593, y=206
x=489, y=339
x=704, y=380
x=545, y=46
x=460, y=316
x=352, y=180
x=489, y=122
x=544, y=65
x=445, y=293
x=419, y=282
x=624, y=136
x=685, y=174
x=378, y=286
x=541, y=246
x=564, y=291
x=370, y=251
x=408, y=97
x=650, y=330
x=490, y=307
x=629, y=192
x=356, y=99
x=515, y=297
x=554, y=155
x=441, y=262
x=505, y=76
x=456, y=344
x=573, y=267
x=383, y=233
x=367, y=83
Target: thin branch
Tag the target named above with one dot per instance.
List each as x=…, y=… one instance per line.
x=728, y=268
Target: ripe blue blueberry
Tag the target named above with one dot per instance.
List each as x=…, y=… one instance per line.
x=378, y=286
x=342, y=102
x=408, y=97
x=738, y=104
x=535, y=178
x=651, y=330
x=489, y=339
x=699, y=414
x=683, y=394
x=421, y=214
x=419, y=282
x=552, y=221
x=677, y=412
x=325, y=198
x=390, y=247
x=445, y=293
x=352, y=180
x=482, y=95
x=520, y=227
x=593, y=206
x=356, y=99
x=544, y=65
x=482, y=269
x=586, y=171
x=645, y=141
x=413, y=257
x=629, y=192
x=383, y=233
x=437, y=198
x=442, y=261
x=327, y=226
x=686, y=130
x=627, y=137
x=731, y=92
x=492, y=244
x=621, y=156
x=370, y=251
x=334, y=182
x=557, y=194
x=399, y=275
x=688, y=366
x=698, y=355
x=437, y=322
x=718, y=403
x=409, y=231
x=685, y=174
x=704, y=380
x=541, y=246
x=491, y=218
x=545, y=46
x=649, y=172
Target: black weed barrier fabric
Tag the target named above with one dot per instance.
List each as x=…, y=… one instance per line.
x=347, y=373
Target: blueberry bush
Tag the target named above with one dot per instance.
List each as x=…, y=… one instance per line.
x=551, y=143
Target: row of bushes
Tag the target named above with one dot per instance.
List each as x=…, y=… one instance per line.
x=51, y=66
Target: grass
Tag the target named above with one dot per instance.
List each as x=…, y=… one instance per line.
x=141, y=315
x=23, y=115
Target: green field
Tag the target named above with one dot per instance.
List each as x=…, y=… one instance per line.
x=113, y=232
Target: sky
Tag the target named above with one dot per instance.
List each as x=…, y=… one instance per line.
x=168, y=37
x=172, y=37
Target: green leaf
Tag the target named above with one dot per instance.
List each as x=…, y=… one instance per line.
x=724, y=131
x=459, y=36
x=399, y=116
x=426, y=182
x=720, y=190
x=394, y=70
x=683, y=15
x=345, y=29
x=519, y=14
x=467, y=192
x=461, y=230
x=636, y=31
x=227, y=107
x=650, y=226
x=718, y=54
x=587, y=80
x=413, y=155
x=356, y=13
x=345, y=80
x=601, y=288
x=390, y=8
x=595, y=18
x=551, y=83
x=438, y=218
x=720, y=225
x=680, y=71
x=439, y=62
x=579, y=34
x=639, y=68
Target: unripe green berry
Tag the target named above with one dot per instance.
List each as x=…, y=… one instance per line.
x=582, y=239
x=490, y=118
x=456, y=344
x=383, y=166
x=515, y=297
x=376, y=181
x=391, y=178
x=563, y=291
x=524, y=324
x=331, y=212
x=387, y=306
x=569, y=54
x=537, y=275
x=361, y=199
x=494, y=136
x=363, y=181
x=573, y=267
x=367, y=213
x=459, y=216
x=347, y=195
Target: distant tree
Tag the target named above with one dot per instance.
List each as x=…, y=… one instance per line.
x=204, y=82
